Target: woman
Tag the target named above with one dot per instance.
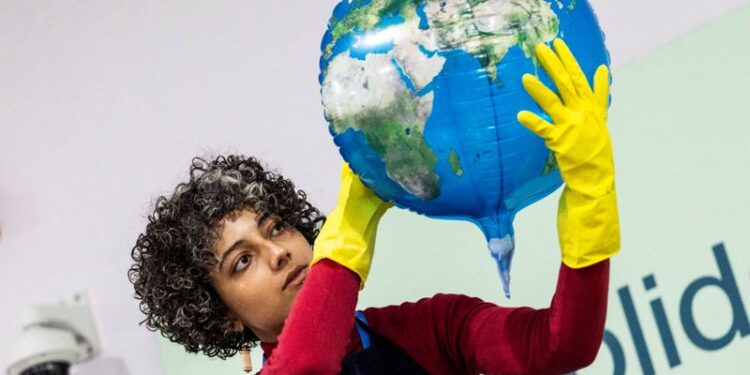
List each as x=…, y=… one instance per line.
x=227, y=262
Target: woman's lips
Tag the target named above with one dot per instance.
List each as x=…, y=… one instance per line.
x=296, y=277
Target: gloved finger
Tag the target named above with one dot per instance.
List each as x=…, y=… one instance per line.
x=347, y=175
x=601, y=86
x=346, y=170
x=574, y=69
x=544, y=97
x=537, y=125
x=556, y=70
x=351, y=187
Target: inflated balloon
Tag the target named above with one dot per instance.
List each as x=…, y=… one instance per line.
x=422, y=97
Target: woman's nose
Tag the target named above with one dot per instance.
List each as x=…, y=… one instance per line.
x=280, y=256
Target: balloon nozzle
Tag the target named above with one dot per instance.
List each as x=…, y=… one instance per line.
x=501, y=250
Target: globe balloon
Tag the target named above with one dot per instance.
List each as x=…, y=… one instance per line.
x=421, y=98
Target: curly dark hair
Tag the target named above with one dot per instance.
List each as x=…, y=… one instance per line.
x=173, y=257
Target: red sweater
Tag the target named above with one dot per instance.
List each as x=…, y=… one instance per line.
x=446, y=334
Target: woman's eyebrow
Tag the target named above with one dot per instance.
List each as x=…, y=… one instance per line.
x=266, y=218
x=263, y=218
x=232, y=248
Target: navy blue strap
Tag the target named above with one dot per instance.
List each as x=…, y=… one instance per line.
x=363, y=335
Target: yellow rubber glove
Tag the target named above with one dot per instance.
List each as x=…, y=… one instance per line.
x=348, y=235
x=587, y=220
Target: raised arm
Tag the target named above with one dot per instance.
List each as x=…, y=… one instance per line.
x=316, y=332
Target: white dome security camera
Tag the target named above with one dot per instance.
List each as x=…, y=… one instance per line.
x=54, y=338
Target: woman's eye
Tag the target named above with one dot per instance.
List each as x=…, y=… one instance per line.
x=277, y=229
x=242, y=262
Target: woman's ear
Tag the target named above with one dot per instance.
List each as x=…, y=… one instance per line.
x=237, y=324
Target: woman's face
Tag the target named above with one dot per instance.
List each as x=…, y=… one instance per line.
x=261, y=267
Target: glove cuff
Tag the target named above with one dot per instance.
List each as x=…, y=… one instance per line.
x=588, y=227
x=348, y=235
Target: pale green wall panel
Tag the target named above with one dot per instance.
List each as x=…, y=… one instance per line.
x=679, y=124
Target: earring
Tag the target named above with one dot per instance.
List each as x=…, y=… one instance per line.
x=247, y=364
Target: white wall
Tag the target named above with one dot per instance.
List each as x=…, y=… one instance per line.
x=103, y=104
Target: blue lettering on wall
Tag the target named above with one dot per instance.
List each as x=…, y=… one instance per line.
x=636, y=332
x=665, y=331
x=726, y=282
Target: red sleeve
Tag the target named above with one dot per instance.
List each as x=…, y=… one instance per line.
x=451, y=334
x=319, y=326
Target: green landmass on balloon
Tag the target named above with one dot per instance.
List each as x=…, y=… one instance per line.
x=455, y=163
x=368, y=17
x=550, y=165
x=525, y=27
x=570, y=7
x=399, y=142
